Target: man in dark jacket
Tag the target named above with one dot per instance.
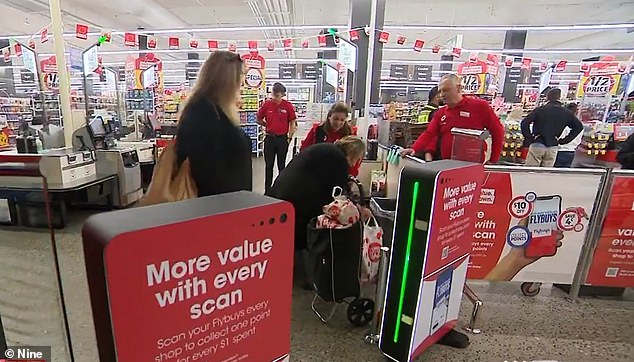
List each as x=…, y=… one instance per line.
x=626, y=153
x=548, y=121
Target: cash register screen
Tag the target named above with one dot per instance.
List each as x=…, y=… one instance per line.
x=97, y=127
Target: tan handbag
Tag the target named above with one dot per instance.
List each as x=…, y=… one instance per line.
x=169, y=181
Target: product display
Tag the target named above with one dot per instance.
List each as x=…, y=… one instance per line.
x=250, y=100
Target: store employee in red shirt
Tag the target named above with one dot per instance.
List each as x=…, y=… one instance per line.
x=461, y=112
x=277, y=115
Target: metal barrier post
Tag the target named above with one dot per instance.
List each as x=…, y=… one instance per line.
x=592, y=237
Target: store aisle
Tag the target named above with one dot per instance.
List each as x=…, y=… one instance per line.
x=546, y=327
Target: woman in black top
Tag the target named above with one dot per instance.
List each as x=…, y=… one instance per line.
x=626, y=154
x=307, y=182
x=208, y=131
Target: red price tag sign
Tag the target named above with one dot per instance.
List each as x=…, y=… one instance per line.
x=568, y=220
x=519, y=208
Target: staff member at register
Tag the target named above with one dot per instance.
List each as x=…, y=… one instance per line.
x=279, y=118
x=461, y=112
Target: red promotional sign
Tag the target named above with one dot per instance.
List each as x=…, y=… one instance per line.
x=543, y=66
x=17, y=47
x=456, y=52
x=561, y=66
x=435, y=49
x=321, y=39
x=354, y=35
x=212, y=44
x=81, y=31
x=32, y=44
x=473, y=57
x=253, y=46
x=151, y=42
x=174, y=42
x=418, y=45
x=288, y=44
x=584, y=67
x=384, y=37
x=508, y=62
x=270, y=46
x=401, y=40
x=232, y=46
x=613, y=261
x=305, y=43
x=129, y=39
x=223, y=293
x=193, y=43
x=526, y=63
x=44, y=35
x=6, y=53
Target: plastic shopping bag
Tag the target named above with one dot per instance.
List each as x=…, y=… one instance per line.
x=342, y=210
x=372, y=242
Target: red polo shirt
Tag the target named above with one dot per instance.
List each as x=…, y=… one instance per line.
x=471, y=113
x=278, y=116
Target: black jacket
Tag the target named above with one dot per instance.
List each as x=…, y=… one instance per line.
x=219, y=152
x=626, y=153
x=549, y=121
x=307, y=183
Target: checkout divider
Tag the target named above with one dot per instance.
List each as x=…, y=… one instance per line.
x=547, y=225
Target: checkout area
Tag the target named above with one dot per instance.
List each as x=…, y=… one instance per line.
x=97, y=172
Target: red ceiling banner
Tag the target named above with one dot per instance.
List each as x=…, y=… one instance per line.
x=473, y=57
x=456, y=52
x=354, y=35
x=435, y=49
x=44, y=35
x=543, y=66
x=271, y=46
x=401, y=40
x=492, y=59
x=151, y=42
x=561, y=66
x=288, y=44
x=212, y=45
x=81, y=31
x=253, y=46
x=232, y=46
x=508, y=61
x=305, y=43
x=17, y=47
x=418, y=45
x=6, y=53
x=321, y=39
x=174, y=42
x=129, y=39
x=526, y=63
x=32, y=44
x=384, y=37
x=193, y=43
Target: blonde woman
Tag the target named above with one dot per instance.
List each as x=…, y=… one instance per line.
x=209, y=133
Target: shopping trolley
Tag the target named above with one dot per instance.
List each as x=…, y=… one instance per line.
x=337, y=254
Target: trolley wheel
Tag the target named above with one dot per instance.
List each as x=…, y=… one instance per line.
x=530, y=289
x=360, y=311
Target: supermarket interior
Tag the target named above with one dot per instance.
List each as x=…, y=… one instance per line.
x=489, y=216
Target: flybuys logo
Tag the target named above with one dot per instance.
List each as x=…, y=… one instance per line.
x=27, y=354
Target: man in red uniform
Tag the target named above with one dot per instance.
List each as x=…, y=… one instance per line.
x=461, y=112
x=278, y=116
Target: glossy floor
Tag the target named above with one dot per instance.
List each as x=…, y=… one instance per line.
x=515, y=328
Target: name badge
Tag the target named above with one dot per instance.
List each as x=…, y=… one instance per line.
x=465, y=114
x=283, y=111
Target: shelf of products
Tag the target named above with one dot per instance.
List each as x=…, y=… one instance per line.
x=51, y=104
x=251, y=100
x=513, y=142
x=13, y=111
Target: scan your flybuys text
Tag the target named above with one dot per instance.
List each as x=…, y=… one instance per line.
x=192, y=284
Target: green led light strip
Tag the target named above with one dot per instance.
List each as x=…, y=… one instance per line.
x=410, y=236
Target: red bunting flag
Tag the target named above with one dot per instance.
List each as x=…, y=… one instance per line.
x=401, y=40
x=435, y=49
x=17, y=47
x=212, y=45
x=174, y=42
x=418, y=45
x=561, y=66
x=253, y=46
x=508, y=61
x=32, y=44
x=288, y=44
x=81, y=31
x=193, y=43
x=151, y=42
x=354, y=35
x=473, y=57
x=271, y=46
x=384, y=37
x=543, y=66
x=526, y=63
x=456, y=52
x=6, y=52
x=321, y=39
x=129, y=39
x=107, y=35
x=492, y=59
x=232, y=46
x=44, y=35
x=305, y=43
x=584, y=67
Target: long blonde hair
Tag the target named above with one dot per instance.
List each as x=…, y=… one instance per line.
x=352, y=146
x=219, y=82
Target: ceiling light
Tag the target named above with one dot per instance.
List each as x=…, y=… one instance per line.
x=512, y=27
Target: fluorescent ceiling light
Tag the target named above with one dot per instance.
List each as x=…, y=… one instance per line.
x=531, y=51
x=512, y=27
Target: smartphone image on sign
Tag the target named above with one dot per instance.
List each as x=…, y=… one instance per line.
x=542, y=224
x=441, y=300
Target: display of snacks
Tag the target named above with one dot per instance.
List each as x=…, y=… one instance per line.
x=250, y=100
x=513, y=142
